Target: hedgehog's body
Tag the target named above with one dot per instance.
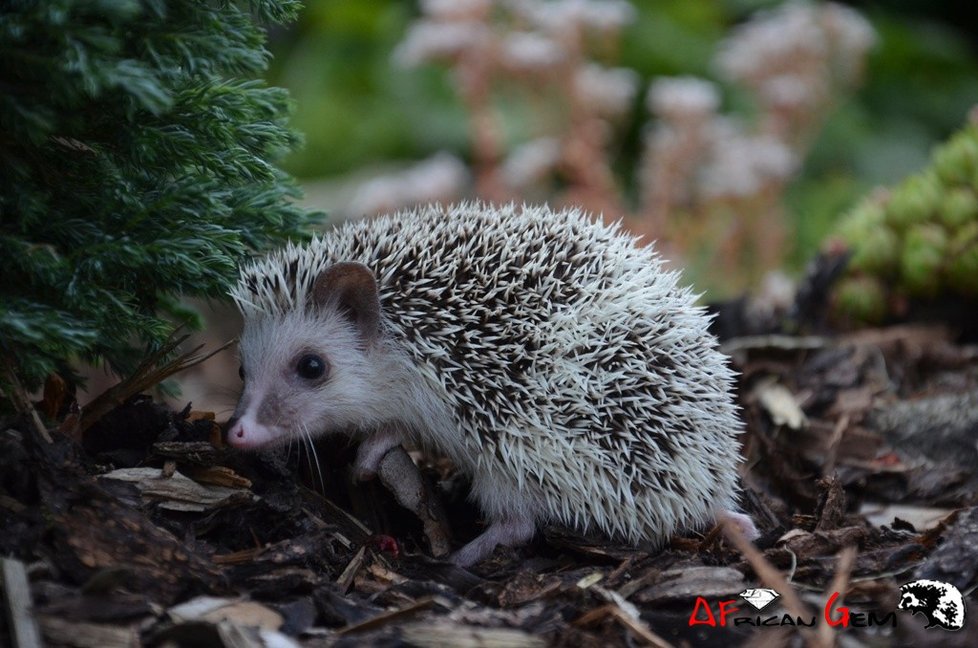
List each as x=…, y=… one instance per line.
x=551, y=358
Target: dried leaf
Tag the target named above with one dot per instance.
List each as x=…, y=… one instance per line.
x=781, y=405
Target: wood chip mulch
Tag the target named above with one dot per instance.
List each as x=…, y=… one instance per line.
x=861, y=472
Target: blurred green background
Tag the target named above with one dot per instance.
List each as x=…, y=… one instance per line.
x=358, y=109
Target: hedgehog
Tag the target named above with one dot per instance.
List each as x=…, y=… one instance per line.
x=548, y=355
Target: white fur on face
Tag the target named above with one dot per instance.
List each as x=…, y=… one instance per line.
x=277, y=403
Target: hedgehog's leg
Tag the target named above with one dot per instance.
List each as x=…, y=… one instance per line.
x=372, y=451
x=509, y=532
x=743, y=523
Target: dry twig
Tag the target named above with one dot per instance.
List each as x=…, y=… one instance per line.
x=147, y=375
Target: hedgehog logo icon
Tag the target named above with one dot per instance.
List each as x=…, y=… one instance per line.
x=940, y=602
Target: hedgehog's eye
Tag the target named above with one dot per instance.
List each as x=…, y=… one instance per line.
x=241, y=372
x=311, y=367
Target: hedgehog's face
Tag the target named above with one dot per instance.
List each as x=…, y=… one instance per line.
x=307, y=372
x=909, y=601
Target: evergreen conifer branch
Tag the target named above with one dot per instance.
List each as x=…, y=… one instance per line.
x=137, y=166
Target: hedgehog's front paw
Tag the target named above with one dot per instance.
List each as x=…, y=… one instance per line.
x=362, y=474
x=372, y=451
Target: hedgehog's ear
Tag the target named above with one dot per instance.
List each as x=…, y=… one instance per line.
x=352, y=288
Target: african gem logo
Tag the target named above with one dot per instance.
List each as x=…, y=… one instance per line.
x=941, y=603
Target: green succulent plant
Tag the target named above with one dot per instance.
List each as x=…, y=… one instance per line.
x=919, y=240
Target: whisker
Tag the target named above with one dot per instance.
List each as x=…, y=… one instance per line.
x=223, y=391
x=303, y=446
x=319, y=466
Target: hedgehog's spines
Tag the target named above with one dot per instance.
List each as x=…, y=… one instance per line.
x=581, y=379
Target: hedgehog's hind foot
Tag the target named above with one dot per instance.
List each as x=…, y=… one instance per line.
x=742, y=522
x=510, y=532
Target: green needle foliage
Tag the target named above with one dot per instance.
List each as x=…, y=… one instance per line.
x=137, y=166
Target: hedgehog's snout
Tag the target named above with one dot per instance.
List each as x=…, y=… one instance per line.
x=907, y=601
x=245, y=432
x=237, y=434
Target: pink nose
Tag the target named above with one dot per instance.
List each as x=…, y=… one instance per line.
x=236, y=434
x=249, y=433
